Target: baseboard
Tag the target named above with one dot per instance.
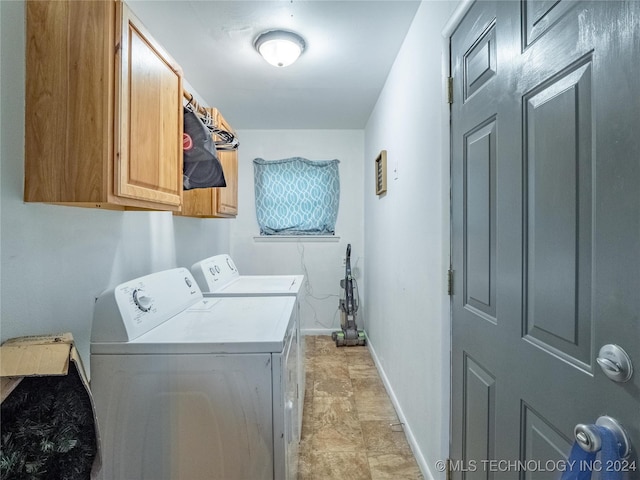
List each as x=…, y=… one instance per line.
x=422, y=463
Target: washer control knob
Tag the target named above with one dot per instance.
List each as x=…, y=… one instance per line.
x=142, y=300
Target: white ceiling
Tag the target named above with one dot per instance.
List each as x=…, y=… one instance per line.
x=351, y=46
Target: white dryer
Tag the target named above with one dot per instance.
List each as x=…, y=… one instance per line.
x=218, y=276
x=192, y=387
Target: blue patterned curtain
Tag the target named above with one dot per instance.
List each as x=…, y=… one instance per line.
x=296, y=196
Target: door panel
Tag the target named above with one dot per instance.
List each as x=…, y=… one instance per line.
x=479, y=220
x=540, y=16
x=558, y=143
x=480, y=61
x=540, y=440
x=478, y=416
x=545, y=227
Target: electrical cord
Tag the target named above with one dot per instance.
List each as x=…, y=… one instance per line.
x=309, y=294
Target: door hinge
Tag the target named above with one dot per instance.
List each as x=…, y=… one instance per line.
x=448, y=473
x=450, y=282
x=450, y=90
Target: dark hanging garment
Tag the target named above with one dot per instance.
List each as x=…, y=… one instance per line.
x=202, y=167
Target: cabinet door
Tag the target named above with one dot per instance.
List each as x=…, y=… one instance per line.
x=148, y=163
x=227, y=198
x=199, y=202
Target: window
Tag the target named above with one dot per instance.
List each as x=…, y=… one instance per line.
x=296, y=196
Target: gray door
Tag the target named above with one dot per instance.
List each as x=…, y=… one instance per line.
x=545, y=229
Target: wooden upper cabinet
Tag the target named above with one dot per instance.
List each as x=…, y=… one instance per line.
x=103, y=120
x=216, y=202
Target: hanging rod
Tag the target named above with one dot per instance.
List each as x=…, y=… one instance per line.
x=229, y=141
x=192, y=101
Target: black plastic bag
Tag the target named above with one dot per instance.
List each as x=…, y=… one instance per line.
x=201, y=166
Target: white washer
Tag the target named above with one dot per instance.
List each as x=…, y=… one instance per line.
x=191, y=387
x=218, y=276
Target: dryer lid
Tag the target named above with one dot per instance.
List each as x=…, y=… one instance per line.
x=219, y=276
x=262, y=285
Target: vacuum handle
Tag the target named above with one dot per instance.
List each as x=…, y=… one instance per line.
x=348, y=283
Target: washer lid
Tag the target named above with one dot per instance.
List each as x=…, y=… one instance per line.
x=221, y=325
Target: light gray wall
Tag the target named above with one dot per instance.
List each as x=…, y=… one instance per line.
x=321, y=262
x=406, y=237
x=56, y=259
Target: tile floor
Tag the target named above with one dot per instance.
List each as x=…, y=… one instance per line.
x=350, y=430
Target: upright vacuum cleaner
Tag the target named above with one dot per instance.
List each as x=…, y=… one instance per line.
x=349, y=335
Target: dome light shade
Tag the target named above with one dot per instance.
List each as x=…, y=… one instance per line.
x=279, y=47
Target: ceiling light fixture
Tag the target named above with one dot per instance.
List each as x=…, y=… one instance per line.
x=279, y=47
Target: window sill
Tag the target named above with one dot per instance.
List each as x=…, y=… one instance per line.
x=296, y=238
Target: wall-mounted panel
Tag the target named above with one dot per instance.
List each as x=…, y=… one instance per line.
x=558, y=218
